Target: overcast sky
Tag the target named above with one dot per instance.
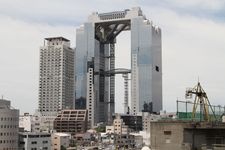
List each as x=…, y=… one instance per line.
x=193, y=43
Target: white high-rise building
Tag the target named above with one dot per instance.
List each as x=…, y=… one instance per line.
x=56, y=82
x=9, y=126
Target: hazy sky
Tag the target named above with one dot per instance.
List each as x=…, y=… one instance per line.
x=193, y=43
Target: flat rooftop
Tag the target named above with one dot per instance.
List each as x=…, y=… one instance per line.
x=57, y=38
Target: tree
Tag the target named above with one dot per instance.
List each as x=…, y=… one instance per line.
x=62, y=147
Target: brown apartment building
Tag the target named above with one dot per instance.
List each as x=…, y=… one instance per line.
x=71, y=121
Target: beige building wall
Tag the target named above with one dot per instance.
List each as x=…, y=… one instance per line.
x=119, y=126
x=109, y=129
x=167, y=135
x=60, y=139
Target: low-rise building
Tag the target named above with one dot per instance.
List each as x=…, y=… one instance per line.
x=109, y=129
x=71, y=121
x=107, y=138
x=30, y=123
x=124, y=141
x=9, y=126
x=45, y=122
x=60, y=140
x=34, y=141
x=85, y=139
x=36, y=122
x=138, y=140
x=122, y=137
x=119, y=126
x=134, y=122
x=187, y=135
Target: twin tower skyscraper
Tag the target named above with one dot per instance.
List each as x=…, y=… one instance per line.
x=85, y=78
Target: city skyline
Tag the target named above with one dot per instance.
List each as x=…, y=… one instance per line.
x=192, y=39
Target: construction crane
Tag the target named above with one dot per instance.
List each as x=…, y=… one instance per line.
x=201, y=100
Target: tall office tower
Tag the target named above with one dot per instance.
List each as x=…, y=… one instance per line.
x=9, y=126
x=95, y=63
x=56, y=82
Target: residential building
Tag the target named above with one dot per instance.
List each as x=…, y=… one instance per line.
x=109, y=129
x=46, y=123
x=9, y=126
x=34, y=141
x=56, y=81
x=119, y=126
x=138, y=140
x=125, y=141
x=86, y=139
x=30, y=123
x=95, y=63
x=134, y=122
x=36, y=122
x=71, y=121
x=60, y=140
x=122, y=136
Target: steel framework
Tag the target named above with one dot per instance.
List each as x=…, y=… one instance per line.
x=202, y=100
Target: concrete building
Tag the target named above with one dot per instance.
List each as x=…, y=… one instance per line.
x=9, y=126
x=87, y=138
x=71, y=121
x=109, y=129
x=95, y=63
x=30, y=123
x=122, y=136
x=36, y=122
x=134, y=122
x=56, y=81
x=46, y=123
x=147, y=118
x=119, y=126
x=26, y=122
x=60, y=140
x=138, y=140
x=107, y=138
x=34, y=141
x=125, y=141
x=187, y=135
